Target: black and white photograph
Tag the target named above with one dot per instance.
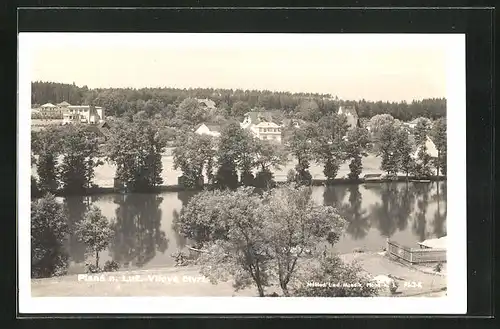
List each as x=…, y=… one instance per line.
x=175, y=168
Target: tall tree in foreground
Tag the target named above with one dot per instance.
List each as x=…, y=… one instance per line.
x=94, y=231
x=356, y=146
x=438, y=134
x=49, y=231
x=256, y=239
x=226, y=224
x=294, y=225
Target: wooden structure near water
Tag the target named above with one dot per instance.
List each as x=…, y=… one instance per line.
x=415, y=255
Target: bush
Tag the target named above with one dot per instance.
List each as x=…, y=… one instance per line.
x=290, y=177
x=111, y=266
x=265, y=179
x=393, y=286
x=439, y=267
x=48, y=232
x=92, y=268
x=341, y=279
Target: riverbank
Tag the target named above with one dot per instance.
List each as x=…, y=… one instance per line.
x=187, y=281
x=98, y=190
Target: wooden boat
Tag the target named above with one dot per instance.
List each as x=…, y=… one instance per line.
x=420, y=180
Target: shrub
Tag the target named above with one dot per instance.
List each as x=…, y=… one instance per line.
x=92, y=268
x=393, y=286
x=48, y=232
x=111, y=266
x=439, y=267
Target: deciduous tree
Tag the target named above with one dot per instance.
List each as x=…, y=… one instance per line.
x=49, y=231
x=94, y=231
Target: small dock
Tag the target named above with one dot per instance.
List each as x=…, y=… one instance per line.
x=421, y=255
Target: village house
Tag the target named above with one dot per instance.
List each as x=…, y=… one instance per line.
x=83, y=114
x=431, y=149
x=352, y=115
x=262, y=126
x=209, y=129
x=207, y=103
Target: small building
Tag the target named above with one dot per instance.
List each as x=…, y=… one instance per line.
x=208, y=103
x=433, y=243
x=352, y=115
x=431, y=149
x=209, y=129
x=83, y=114
x=266, y=131
x=261, y=125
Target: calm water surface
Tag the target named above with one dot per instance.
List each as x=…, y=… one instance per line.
x=145, y=236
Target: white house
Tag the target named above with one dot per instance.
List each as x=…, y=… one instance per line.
x=431, y=149
x=351, y=113
x=83, y=114
x=266, y=131
x=208, y=103
x=261, y=125
x=208, y=129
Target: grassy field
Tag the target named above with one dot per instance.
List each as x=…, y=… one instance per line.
x=186, y=281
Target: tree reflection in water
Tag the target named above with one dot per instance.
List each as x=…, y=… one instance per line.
x=358, y=224
x=334, y=195
x=386, y=213
x=420, y=216
x=75, y=207
x=440, y=214
x=137, y=228
x=180, y=240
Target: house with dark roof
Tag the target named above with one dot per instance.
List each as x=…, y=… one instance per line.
x=262, y=125
x=352, y=115
x=210, y=129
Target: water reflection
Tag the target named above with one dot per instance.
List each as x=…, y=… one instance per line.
x=137, y=228
x=406, y=212
x=75, y=207
x=358, y=224
x=180, y=240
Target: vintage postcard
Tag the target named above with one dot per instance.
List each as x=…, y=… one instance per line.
x=192, y=171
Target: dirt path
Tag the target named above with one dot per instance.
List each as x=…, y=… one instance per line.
x=186, y=281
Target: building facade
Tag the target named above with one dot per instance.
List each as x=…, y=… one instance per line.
x=208, y=129
x=262, y=126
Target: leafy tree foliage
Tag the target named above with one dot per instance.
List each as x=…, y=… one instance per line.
x=403, y=150
x=356, y=146
x=438, y=134
x=227, y=225
x=294, y=224
x=330, y=146
x=387, y=149
x=300, y=144
x=234, y=151
x=49, y=231
x=94, y=231
x=45, y=146
x=135, y=148
x=334, y=278
x=117, y=101
x=79, y=147
x=255, y=239
x=193, y=154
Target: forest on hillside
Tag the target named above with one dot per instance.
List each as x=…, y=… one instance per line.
x=233, y=103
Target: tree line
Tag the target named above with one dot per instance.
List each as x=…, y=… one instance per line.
x=66, y=157
x=231, y=103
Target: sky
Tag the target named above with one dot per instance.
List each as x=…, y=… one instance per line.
x=385, y=67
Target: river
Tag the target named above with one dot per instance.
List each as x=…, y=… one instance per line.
x=145, y=237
